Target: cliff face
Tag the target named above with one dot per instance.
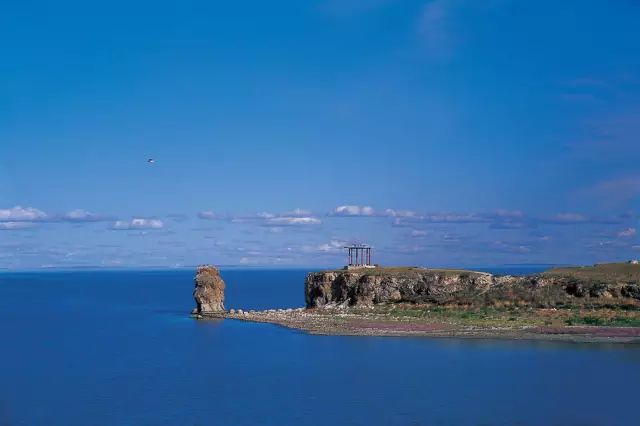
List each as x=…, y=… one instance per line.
x=417, y=285
x=209, y=290
x=365, y=287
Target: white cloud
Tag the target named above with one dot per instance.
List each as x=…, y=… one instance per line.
x=400, y=213
x=579, y=218
x=31, y=214
x=629, y=232
x=418, y=233
x=455, y=218
x=266, y=218
x=292, y=221
x=264, y=215
x=258, y=217
x=22, y=214
x=138, y=223
x=568, y=218
x=298, y=213
x=410, y=218
x=80, y=215
x=297, y=217
x=8, y=226
x=209, y=215
x=499, y=219
x=510, y=219
x=515, y=214
x=451, y=238
x=351, y=210
x=333, y=246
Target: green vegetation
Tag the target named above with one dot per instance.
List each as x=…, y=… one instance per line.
x=481, y=317
x=604, y=272
x=618, y=321
x=456, y=271
x=511, y=317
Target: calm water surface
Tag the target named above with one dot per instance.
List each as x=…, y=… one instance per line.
x=118, y=348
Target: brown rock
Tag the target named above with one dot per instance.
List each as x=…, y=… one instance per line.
x=209, y=290
x=367, y=287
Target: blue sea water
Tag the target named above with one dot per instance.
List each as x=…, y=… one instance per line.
x=119, y=348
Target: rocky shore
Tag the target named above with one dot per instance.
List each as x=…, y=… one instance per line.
x=558, y=305
x=384, y=323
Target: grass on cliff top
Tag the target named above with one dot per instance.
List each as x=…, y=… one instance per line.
x=600, y=272
x=399, y=270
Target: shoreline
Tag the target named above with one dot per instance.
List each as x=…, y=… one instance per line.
x=348, y=322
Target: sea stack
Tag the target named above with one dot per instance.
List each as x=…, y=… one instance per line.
x=209, y=291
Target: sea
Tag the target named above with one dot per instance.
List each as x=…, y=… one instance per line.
x=118, y=347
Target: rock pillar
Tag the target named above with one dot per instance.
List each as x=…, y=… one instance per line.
x=209, y=291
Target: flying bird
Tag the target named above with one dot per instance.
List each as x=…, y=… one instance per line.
x=151, y=161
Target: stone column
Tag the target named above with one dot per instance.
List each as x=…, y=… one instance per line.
x=209, y=291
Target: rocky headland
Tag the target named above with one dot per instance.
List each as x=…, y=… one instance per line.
x=602, y=284
x=589, y=304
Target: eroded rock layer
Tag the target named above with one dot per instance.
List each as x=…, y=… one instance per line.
x=443, y=286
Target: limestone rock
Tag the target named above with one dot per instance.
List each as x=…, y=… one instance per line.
x=209, y=290
x=365, y=288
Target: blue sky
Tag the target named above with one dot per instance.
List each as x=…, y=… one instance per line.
x=441, y=132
